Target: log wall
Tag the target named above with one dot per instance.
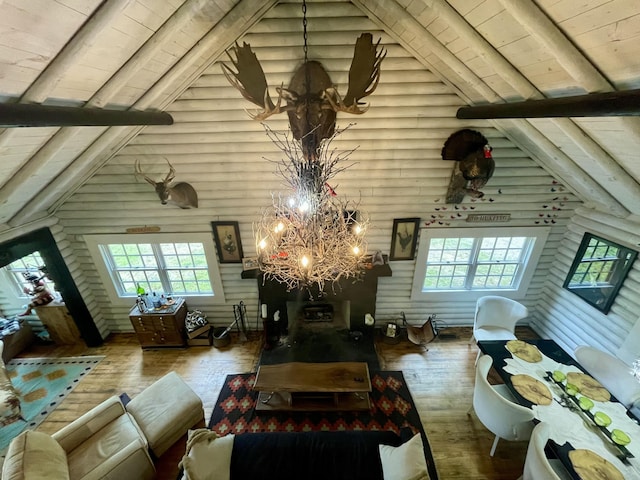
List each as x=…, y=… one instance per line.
x=566, y=317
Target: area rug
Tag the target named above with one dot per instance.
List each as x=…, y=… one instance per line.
x=392, y=408
x=42, y=384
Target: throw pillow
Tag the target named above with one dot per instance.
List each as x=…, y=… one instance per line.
x=208, y=456
x=35, y=456
x=405, y=462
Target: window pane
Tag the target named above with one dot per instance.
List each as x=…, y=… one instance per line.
x=180, y=268
x=495, y=261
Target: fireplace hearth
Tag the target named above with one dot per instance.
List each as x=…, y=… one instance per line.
x=320, y=326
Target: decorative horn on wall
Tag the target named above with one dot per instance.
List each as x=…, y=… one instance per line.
x=180, y=193
x=474, y=164
x=611, y=104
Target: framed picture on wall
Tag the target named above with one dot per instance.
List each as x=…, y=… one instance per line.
x=404, y=238
x=228, y=244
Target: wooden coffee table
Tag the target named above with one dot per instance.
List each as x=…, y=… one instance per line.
x=335, y=386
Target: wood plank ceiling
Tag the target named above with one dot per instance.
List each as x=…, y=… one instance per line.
x=145, y=54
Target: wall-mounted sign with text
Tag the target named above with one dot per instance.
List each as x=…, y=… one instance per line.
x=488, y=217
x=145, y=229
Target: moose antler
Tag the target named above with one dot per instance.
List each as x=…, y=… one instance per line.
x=364, y=75
x=250, y=80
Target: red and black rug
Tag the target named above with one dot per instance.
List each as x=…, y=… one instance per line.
x=391, y=409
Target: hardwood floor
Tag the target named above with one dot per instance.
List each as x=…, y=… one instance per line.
x=440, y=379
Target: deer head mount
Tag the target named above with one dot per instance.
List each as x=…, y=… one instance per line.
x=181, y=193
x=474, y=164
x=312, y=101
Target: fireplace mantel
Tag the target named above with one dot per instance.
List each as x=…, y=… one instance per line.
x=361, y=294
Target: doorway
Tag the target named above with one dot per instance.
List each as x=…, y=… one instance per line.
x=42, y=241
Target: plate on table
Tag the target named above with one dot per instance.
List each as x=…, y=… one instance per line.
x=532, y=389
x=524, y=351
x=591, y=466
x=589, y=386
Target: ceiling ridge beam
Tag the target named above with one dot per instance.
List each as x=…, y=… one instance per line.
x=571, y=172
x=119, y=80
x=40, y=89
x=239, y=19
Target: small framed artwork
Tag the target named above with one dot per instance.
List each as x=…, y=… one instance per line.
x=404, y=238
x=228, y=244
x=250, y=263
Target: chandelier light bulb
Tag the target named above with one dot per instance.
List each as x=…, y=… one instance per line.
x=356, y=250
x=279, y=227
x=304, y=261
x=358, y=229
x=263, y=244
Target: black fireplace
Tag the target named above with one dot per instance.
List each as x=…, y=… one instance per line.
x=316, y=326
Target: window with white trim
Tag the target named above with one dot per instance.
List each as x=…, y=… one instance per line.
x=477, y=261
x=27, y=264
x=178, y=264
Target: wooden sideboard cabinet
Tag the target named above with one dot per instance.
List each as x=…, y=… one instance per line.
x=162, y=328
x=59, y=323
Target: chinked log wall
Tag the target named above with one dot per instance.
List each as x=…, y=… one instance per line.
x=564, y=316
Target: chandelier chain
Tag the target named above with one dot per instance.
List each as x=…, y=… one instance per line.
x=304, y=26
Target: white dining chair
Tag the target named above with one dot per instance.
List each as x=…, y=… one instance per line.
x=496, y=318
x=536, y=464
x=496, y=408
x=611, y=372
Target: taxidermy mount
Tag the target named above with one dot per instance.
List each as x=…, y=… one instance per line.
x=180, y=193
x=474, y=164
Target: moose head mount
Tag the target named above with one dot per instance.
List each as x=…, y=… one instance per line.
x=312, y=101
x=474, y=164
x=180, y=193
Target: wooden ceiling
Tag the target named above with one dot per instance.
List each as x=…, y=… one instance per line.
x=164, y=55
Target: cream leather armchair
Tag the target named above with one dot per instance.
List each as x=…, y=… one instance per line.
x=104, y=443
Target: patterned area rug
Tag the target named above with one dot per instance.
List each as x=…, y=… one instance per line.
x=42, y=384
x=392, y=408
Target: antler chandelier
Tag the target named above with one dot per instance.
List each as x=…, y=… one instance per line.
x=310, y=237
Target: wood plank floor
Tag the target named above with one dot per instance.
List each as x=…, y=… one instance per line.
x=440, y=379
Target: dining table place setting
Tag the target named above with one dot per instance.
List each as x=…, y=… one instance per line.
x=596, y=437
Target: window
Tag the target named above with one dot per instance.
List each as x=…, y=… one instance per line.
x=598, y=271
x=183, y=265
x=29, y=263
x=479, y=261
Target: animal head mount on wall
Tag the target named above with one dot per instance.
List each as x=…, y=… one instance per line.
x=312, y=101
x=180, y=193
x=474, y=164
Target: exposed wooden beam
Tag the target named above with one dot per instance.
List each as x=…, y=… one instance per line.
x=610, y=104
x=37, y=115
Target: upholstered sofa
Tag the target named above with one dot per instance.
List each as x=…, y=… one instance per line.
x=353, y=455
x=112, y=440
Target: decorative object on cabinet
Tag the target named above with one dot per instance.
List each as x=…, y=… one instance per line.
x=598, y=271
x=404, y=238
x=59, y=323
x=161, y=327
x=228, y=244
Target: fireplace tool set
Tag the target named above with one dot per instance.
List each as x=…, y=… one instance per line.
x=221, y=336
